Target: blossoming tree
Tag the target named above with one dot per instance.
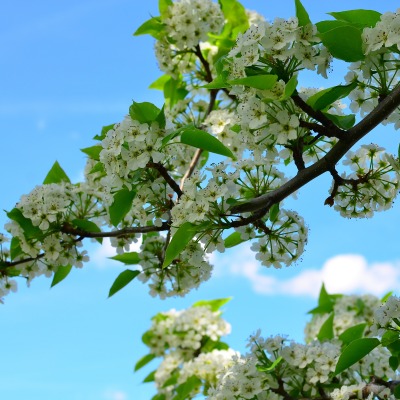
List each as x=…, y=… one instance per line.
x=211, y=169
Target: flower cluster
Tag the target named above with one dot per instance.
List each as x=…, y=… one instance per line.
x=387, y=316
x=371, y=187
x=187, y=24
x=185, y=339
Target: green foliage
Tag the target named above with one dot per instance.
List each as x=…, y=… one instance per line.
x=302, y=14
x=236, y=20
x=153, y=27
x=61, y=273
x=30, y=231
x=184, y=389
x=93, y=152
x=144, y=112
x=205, y=141
x=326, y=330
x=390, y=337
x=130, y=258
x=352, y=333
x=163, y=7
x=144, y=361
x=326, y=302
x=360, y=18
x=233, y=240
x=214, y=305
x=56, y=175
x=88, y=226
x=103, y=132
x=342, y=121
x=261, y=82
x=326, y=97
x=121, y=205
x=122, y=280
x=184, y=234
x=354, y=352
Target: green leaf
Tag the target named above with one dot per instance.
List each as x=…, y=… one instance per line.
x=56, y=175
x=389, y=337
x=144, y=112
x=354, y=352
x=127, y=258
x=213, y=305
x=342, y=121
x=149, y=377
x=233, y=240
x=93, y=152
x=302, y=14
x=290, y=87
x=326, y=302
x=87, y=226
x=236, y=20
x=144, y=361
x=15, y=248
x=30, y=230
x=396, y=391
x=184, y=234
x=262, y=82
x=203, y=140
x=211, y=345
x=159, y=396
x=352, y=333
x=175, y=90
x=385, y=298
x=273, y=212
x=122, y=280
x=163, y=7
x=344, y=43
x=218, y=83
x=394, y=348
x=159, y=83
x=183, y=390
x=394, y=362
x=61, y=273
x=325, y=26
x=153, y=27
x=121, y=205
x=326, y=330
x=326, y=97
x=104, y=131
x=360, y=18
x=264, y=368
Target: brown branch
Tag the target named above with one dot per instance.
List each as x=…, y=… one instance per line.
x=192, y=167
x=352, y=136
x=318, y=116
x=164, y=173
x=312, y=126
x=69, y=229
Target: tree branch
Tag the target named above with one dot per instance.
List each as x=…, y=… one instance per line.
x=164, y=173
x=352, y=136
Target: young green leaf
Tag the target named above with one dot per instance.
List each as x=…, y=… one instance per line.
x=342, y=121
x=203, y=140
x=389, y=337
x=144, y=361
x=159, y=83
x=236, y=20
x=61, y=273
x=264, y=368
x=273, y=212
x=214, y=305
x=163, y=7
x=354, y=352
x=87, y=226
x=104, y=131
x=127, y=258
x=184, y=389
x=93, y=152
x=56, y=175
x=326, y=330
x=326, y=97
x=290, y=87
x=360, y=18
x=233, y=240
x=15, y=248
x=122, y=280
x=302, y=14
x=262, y=82
x=153, y=27
x=344, y=43
x=30, y=230
x=121, y=205
x=394, y=362
x=352, y=333
x=184, y=234
x=144, y=112
x=149, y=377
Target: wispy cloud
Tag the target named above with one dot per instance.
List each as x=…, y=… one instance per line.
x=344, y=273
x=115, y=395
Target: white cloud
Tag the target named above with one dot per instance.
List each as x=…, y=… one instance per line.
x=115, y=395
x=344, y=273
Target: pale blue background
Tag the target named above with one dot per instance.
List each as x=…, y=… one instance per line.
x=66, y=69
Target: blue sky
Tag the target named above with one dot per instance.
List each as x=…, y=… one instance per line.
x=70, y=67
